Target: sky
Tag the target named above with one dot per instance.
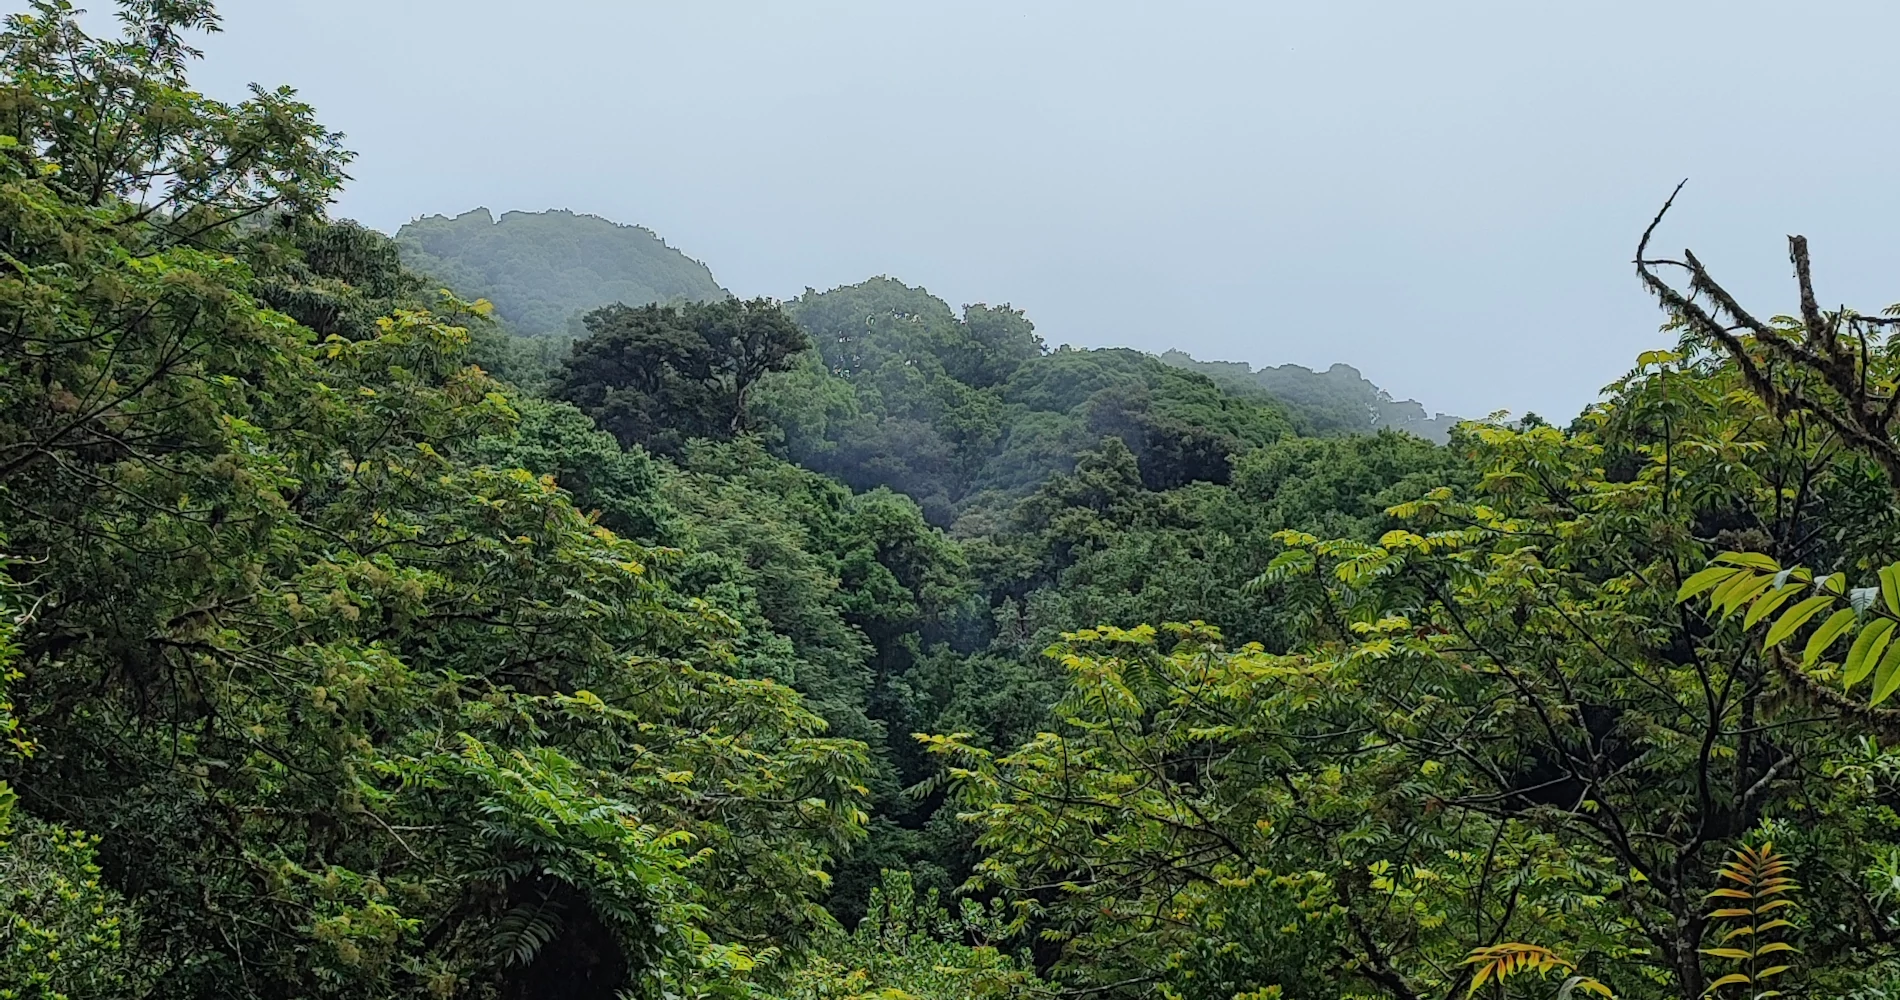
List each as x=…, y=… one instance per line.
x=1444, y=195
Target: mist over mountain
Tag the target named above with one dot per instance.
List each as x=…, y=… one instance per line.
x=1338, y=400
x=542, y=268
x=631, y=640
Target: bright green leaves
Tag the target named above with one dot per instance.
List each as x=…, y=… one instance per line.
x=910, y=945
x=1887, y=675
x=67, y=934
x=1796, y=617
x=1254, y=771
x=1737, y=580
x=1866, y=651
x=1825, y=636
x=1770, y=602
x=1744, y=587
x=1749, y=560
x=1706, y=578
x=291, y=533
x=124, y=130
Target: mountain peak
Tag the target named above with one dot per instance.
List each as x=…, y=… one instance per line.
x=541, y=269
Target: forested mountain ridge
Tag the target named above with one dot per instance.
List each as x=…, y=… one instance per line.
x=1338, y=400
x=542, y=269
x=965, y=412
x=858, y=648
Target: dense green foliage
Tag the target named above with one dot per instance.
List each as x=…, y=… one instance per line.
x=965, y=414
x=64, y=931
x=1499, y=723
x=348, y=709
x=543, y=269
x=658, y=376
x=909, y=945
x=819, y=649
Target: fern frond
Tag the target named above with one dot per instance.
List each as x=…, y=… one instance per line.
x=524, y=930
x=1759, y=875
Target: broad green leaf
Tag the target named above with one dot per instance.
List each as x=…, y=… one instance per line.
x=1768, y=603
x=1887, y=675
x=1890, y=586
x=1826, y=635
x=1796, y=617
x=1719, y=596
x=1752, y=560
x=1705, y=579
x=1865, y=652
x=1734, y=598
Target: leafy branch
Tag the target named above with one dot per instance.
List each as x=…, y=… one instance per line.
x=1756, y=587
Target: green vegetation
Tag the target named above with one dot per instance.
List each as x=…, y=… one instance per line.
x=859, y=647
x=1336, y=401
x=911, y=946
x=543, y=269
x=968, y=414
x=658, y=376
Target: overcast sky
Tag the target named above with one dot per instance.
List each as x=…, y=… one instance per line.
x=1445, y=195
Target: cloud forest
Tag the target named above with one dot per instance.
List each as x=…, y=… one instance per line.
x=502, y=609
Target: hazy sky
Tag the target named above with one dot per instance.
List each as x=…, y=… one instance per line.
x=1445, y=195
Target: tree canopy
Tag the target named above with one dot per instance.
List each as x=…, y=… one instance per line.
x=1336, y=401
x=862, y=648
x=658, y=376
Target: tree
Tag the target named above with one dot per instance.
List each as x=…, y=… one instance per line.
x=1336, y=401
x=120, y=130
x=65, y=933
x=994, y=341
x=748, y=341
x=659, y=375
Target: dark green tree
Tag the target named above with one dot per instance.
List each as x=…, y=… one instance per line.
x=659, y=376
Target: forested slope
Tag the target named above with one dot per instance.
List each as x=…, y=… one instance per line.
x=855, y=646
x=542, y=269
x=1336, y=401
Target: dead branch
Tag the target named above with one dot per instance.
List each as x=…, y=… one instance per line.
x=1822, y=373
